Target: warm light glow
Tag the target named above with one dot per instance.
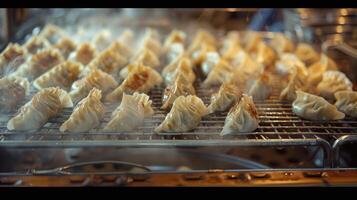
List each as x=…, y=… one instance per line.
x=341, y=20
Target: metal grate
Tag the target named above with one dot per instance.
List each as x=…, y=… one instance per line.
x=278, y=124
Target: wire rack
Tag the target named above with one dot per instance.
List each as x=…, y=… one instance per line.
x=277, y=125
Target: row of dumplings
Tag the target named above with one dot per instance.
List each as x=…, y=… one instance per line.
x=240, y=66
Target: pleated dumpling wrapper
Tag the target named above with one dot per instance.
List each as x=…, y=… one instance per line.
x=140, y=79
x=223, y=100
x=12, y=91
x=185, y=115
x=95, y=79
x=86, y=115
x=242, y=117
x=62, y=75
x=40, y=63
x=312, y=107
x=181, y=87
x=347, y=102
x=332, y=82
x=44, y=105
x=131, y=113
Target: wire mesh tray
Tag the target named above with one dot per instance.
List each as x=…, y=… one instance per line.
x=277, y=125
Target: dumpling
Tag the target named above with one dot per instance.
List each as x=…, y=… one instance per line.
x=245, y=63
x=221, y=73
x=174, y=51
x=242, y=117
x=122, y=49
x=311, y=107
x=108, y=61
x=179, y=88
x=151, y=41
x=231, y=46
x=12, y=91
x=36, y=44
x=290, y=64
x=86, y=115
x=175, y=36
x=201, y=37
x=251, y=41
x=127, y=38
x=210, y=61
x=261, y=88
x=95, y=79
x=130, y=114
x=185, y=115
x=347, y=102
x=44, y=105
x=84, y=54
x=52, y=33
x=141, y=79
x=102, y=40
x=40, y=63
x=147, y=58
x=318, y=68
x=306, y=53
x=65, y=45
x=180, y=65
x=289, y=92
x=62, y=75
x=332, y=82
x=11, y=58
x=227, y=95
x=199, y=55
x=281, y=44
x=265, y=55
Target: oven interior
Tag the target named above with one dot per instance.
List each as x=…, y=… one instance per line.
x=282, y=143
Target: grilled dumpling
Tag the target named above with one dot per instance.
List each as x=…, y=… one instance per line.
x=11, y=58
x=282, y=44
x=108, y=61
x=231, y=46
x=242, y=117
x=265, y=55
x=332, y=82
x=95, y=79
x=36, y=44
x=65, y=45
x=251, y=41
x=185, y=115
x=311, y=107
x=151, y=41
x=84, y=54
x=227, y=95
x=210, y=61
x=179, y=88
x=317, y=69
x=141, y=79
x=127, y=38
x=40, y=63
x=289, y=92
x=147, y=58
x=261, y=88
x=306, y=53
x=175, y=36
x=102, y=40
x=347, y=102
x=221, y=73
x=202, y=37
x=12, y=92
x=245, y=63
x=131, y=113
x=199, y=55
x=86, y=115
x=44, y=105
x=290, y=64
x=174, y=51
x=52, y=33
x=62, y=75
x=180, y=65
x=121, y=48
